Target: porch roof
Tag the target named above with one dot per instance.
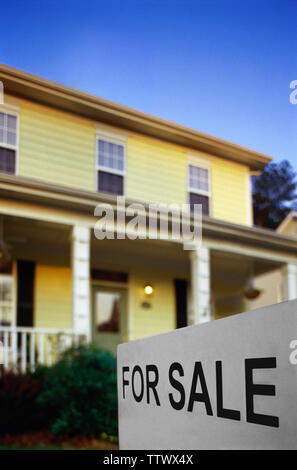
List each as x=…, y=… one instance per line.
x=25, y=85
x=17, y=188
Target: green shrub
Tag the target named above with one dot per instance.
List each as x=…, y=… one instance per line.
x=19, y=408
x=81, y=392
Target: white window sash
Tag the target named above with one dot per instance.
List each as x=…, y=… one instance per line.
x=203, y=192
x=199, y=191
x=107, y=169
x=6, y=111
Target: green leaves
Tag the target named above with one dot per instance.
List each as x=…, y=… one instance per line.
x=81, y=391
x=274, y=194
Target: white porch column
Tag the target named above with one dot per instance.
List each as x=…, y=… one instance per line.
x=290, y=282
x=200, y=286
x=81, y=280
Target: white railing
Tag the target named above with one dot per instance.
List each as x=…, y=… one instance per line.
x=25, y=348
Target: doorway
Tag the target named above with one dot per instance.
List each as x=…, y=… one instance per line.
x=109, y=324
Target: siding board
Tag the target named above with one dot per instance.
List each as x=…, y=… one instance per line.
x=52, y=297
x=56, y=147
x=60, y=148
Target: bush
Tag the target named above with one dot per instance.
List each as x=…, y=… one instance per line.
x=81, y=392
x=19, y=408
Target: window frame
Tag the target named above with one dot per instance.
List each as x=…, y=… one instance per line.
x=13, y=275
x=201, y=192
x=13, y=111
x=112, y=139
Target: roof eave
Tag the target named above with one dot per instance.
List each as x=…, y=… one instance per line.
x=24, y=85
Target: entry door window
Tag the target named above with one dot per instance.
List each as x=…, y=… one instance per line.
x=107, y=312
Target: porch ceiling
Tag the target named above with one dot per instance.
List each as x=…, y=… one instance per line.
x=237, y=268
x=36, y=240
x=140, y=254
x=71, y=206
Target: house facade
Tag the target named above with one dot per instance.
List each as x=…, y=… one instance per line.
x=271, y=284
x=62, y=152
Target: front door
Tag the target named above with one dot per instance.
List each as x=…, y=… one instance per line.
x=109, y=317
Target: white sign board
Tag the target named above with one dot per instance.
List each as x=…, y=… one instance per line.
x=227, y=384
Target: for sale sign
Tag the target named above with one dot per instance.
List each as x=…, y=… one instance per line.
x=227, y=384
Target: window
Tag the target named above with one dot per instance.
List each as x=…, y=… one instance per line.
x=8, y=142
x=6, y=299
x=199, y=187
x=108, y=312
x=110, y=166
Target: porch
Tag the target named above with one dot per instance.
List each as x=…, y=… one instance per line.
x=60, y=286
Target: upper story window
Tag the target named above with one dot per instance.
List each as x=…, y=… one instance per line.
x=110, y=166
x=199, y=187
x=8, y=142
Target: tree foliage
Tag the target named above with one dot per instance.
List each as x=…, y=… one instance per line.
x=274, y=194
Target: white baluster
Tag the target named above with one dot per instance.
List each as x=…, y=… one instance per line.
x=49, y=351
x=32, y=351
x=41, y=348
x=6, y=350
x=14, y=341
x=51, y=344
x=24, y=352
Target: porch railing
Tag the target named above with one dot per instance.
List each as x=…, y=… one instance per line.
x=25, y=348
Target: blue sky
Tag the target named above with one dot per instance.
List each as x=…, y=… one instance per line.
x=220, y=66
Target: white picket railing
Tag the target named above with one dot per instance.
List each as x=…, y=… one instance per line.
x=25, y=348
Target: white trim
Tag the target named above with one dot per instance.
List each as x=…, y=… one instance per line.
x=205, y=165
x=200, y=285
x=245, y=250
x=116, y=139
x=110, y=170
x=80, y=270
x=290, y=281
x=13, y=110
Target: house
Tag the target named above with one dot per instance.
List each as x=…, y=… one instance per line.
x=62, y=152
x=272, y=284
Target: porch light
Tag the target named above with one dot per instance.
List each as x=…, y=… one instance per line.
x=148, y=289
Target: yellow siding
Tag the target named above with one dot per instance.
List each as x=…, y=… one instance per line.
x=56, y=147
x=160, y=317
x=52, y=297
x=290, y=228
x=156, y=171
x=230, y=191
x=60, y=148
x=271, y=288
